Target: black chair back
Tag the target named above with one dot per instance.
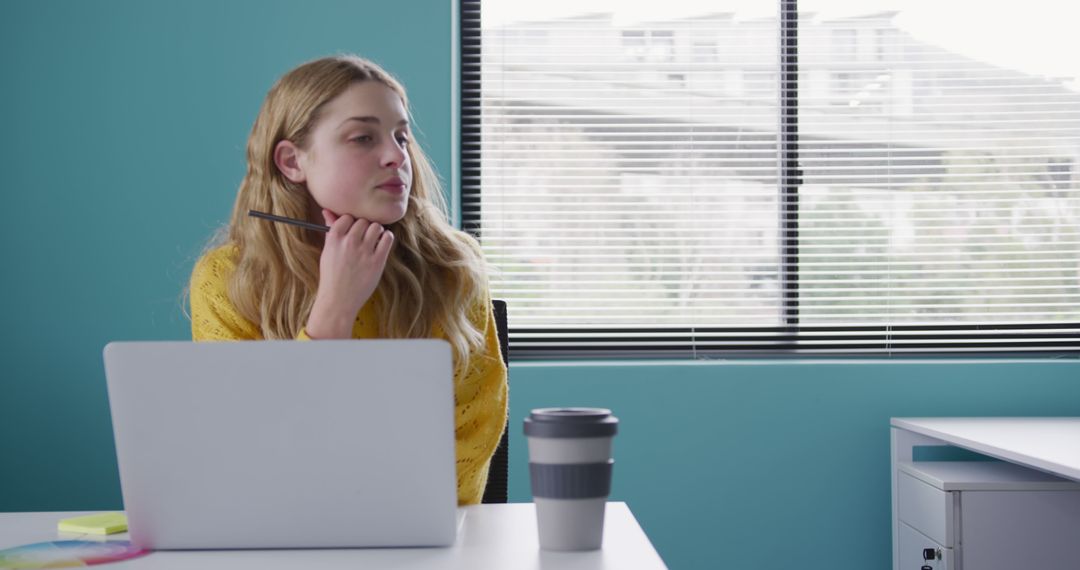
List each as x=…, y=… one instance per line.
x=498, y=472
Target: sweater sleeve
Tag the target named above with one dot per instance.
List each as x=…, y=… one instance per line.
x=481, y=403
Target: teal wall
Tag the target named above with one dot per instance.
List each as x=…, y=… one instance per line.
x=123, y=147
x=774, y=465
x=123, y=139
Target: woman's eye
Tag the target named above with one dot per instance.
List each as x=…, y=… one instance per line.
x=403, y=141
x=361, y=138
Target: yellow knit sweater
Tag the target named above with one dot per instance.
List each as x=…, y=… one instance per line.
x=480, y=393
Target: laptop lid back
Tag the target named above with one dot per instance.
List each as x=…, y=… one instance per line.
x=283, y=444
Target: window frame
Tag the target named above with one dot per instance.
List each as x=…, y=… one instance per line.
x=791, y=339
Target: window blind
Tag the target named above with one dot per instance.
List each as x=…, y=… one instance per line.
x=784, y=183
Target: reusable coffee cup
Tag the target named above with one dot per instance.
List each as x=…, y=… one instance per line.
x=570, y=470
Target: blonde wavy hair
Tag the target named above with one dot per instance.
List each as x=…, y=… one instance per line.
x=435, y=274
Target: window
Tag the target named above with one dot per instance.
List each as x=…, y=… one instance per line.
x=704, y=52
x=845, y=44
x=653, y=46
x=634, y=43
x=663, y=42
x=636, y=200
x=882, y=44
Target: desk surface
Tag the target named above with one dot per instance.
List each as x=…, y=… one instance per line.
x=1047, y=444
x=491, y=536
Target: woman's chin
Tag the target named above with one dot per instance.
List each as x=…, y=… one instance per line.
x=387, y=217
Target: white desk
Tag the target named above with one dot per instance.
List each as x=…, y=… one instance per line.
x=493, y=536
x=1050, y=445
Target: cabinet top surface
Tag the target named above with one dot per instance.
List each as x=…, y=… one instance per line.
x=1049, y=444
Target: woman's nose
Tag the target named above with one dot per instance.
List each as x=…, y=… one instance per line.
x=393, y=155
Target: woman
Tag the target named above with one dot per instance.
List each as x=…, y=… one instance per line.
x=332, y=143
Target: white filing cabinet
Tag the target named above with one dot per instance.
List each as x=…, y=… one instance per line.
x=985, y=516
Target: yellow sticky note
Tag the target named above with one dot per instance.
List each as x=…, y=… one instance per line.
x=101, y=523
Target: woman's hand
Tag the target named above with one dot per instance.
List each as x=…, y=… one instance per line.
x=352, y=262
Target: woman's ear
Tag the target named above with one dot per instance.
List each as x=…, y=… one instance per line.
x=287, y=159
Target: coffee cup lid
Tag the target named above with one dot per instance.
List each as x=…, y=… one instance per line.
x=571, y=422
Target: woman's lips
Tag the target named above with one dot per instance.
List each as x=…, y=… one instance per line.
x=394, y=185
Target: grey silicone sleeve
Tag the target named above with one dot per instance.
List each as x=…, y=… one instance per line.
x=571, y=481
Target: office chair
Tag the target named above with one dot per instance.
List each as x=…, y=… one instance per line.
x=498, y=472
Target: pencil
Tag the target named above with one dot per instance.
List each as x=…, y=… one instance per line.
x=293, y=221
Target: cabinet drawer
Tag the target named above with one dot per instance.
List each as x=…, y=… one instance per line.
x=912, y=544
x=927, y=509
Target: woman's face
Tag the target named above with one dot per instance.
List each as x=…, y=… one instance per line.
x=356, y=162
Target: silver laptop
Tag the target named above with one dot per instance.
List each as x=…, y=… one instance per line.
x=282, y=444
